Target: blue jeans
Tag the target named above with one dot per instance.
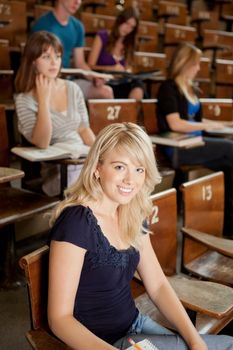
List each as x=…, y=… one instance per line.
x=145, y=325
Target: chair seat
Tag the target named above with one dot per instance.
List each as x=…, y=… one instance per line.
x=212, y=266
x=17, y=204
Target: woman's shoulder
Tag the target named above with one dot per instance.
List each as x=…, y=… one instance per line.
x=167, y=86
x=74, y=87
x=103, y=34
x=25, y=98
x=76, y=224
x=76, y=212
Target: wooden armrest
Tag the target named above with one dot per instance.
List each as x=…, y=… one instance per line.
x=41, y=340
x=219, y=244
x=209, y=298
x=212, y=299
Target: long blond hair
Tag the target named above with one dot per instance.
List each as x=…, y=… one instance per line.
x=183, y=58
x=130, y=138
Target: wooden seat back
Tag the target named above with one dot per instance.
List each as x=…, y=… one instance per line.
x=35, y=266
x=217, y=109
x=150, y=121
x=16, y=30
x=40, y=10
x=203, y=77
x=147, y=36
x=171, y=12
x=203, y=208
x=146, y=61
x=145, y=8
x=93, y=23
x=4, y=147
x=224, y=78
x=105, y=112
x=174, y=34
x=92, y=5
x=221, y=40
x=203, y=19
x=163, y=227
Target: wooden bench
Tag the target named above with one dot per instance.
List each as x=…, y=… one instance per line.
x=205, y=299
x=105, y=112
x=205, y=253
x=217, y=109
x=16, y=205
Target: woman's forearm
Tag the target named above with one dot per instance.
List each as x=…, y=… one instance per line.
x=75, y=335
x=87, y=136
x=42, y=132
x=170, y=306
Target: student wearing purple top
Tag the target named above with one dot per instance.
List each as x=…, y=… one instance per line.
x=97, y=243
x=114, y=52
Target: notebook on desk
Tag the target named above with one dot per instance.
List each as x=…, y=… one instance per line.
x=144, y=344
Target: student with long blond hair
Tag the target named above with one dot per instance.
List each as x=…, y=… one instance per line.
x=97, y=243
x=179, y=109
x=49, y=109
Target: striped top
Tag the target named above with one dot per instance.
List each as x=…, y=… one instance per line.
x=64, y=124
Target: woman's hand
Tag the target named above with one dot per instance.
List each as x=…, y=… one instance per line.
x=212, y=125
x=118, y=67
x=43, y=88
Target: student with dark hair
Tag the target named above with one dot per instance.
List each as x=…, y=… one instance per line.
x=50, y=109
x=179, y=109
x=114, y=52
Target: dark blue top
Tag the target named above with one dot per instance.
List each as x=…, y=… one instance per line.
x=103, y=302
x=71, y=35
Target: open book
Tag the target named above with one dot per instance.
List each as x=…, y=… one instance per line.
x=176, y=139
x=144, y=344
x=87, y=73
x=56, y=151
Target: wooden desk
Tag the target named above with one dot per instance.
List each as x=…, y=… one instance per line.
x=10, y=174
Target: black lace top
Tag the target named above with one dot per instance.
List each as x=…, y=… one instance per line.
x=103, y=301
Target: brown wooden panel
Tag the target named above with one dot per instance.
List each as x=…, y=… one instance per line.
x=105, y=112
x=163, y=227
x=203, y=200
x=217, y=109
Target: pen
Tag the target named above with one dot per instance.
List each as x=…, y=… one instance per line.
x=135, y=345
